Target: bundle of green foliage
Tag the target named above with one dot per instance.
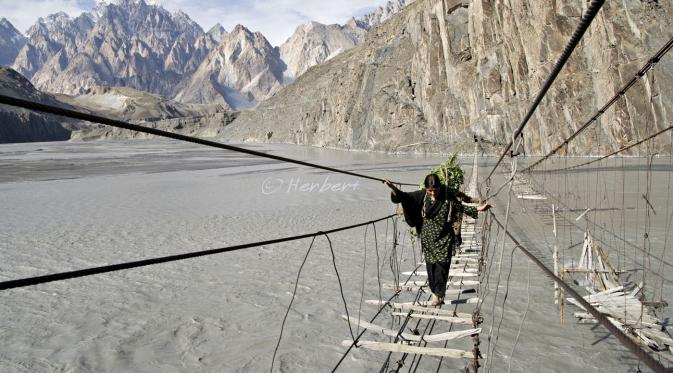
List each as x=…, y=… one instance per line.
x=450, y=173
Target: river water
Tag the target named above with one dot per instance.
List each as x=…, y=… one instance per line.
x=68, y=206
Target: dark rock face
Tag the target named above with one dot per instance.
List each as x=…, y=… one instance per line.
x=24, y=126
x=442, y=71
x=20, y=125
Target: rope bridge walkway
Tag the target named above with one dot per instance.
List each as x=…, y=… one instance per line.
x=460, y=324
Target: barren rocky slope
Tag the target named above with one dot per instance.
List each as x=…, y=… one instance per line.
x=129, y=104
x=441, y=71
x=207, y=125
x=20, y=125
x=149, y=110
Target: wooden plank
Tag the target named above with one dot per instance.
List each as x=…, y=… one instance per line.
x=450, y=283
x=666, y=355
x=419, y=308
x=649, y=341
x=449, y=291
x=606, y=293
x=536, y=197
x=452, y=319
x=449, y=336
x=633, y=312
x=379, y=329
x=451, y=274
x=414, y=283
x=453, y=301
x=403, y=287
x=634, y=323
x=431, y=310
x=617, y=301
x=457, y=260
x=658, y=334
x=440, y=337
x=462, y=282
x=582, y=270
x=396, y=347
x=637, y=289
x=624, y=302
x=460, y=265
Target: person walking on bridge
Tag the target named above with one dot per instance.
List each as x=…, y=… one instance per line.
x=432, y=212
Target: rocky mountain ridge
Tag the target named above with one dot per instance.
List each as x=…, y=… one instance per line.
x=138, y=45
x=128, y=43
x=381, y=14
x=11, y=41
x=314, y=43
x=49, y=36
x=240, y=71
x=217, y=32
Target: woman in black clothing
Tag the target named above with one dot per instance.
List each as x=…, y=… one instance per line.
x=432, y=212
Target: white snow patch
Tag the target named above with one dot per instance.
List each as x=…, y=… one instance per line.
x=111, y=101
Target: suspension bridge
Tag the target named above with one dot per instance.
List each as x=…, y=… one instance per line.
x=624, y=298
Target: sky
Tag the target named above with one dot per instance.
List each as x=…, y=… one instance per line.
x=276, y=19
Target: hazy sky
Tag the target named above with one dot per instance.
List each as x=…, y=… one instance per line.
x=276, y=19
